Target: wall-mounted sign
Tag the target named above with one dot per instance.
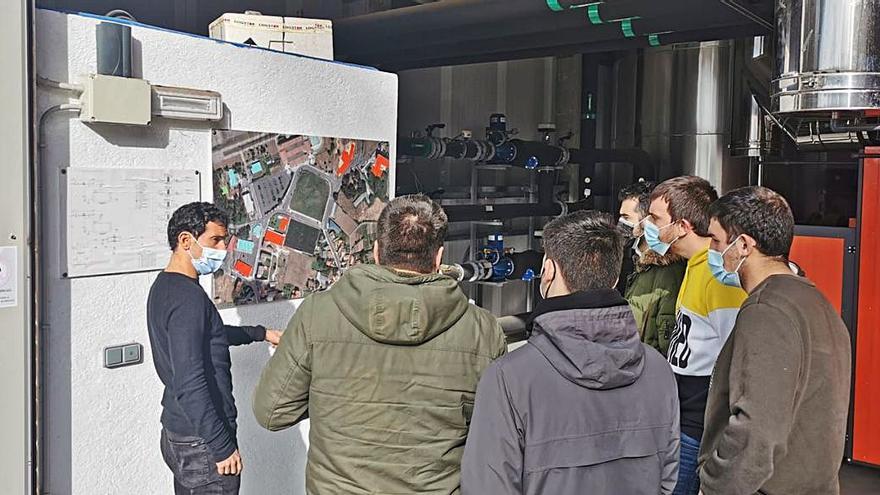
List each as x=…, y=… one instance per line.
x=8, y=276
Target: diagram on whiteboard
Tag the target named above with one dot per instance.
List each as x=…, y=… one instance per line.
x=302, y=209
x=117, y=218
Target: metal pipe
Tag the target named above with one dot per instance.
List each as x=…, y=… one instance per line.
x=748, y=13
x=40, y=307
x=836, y=126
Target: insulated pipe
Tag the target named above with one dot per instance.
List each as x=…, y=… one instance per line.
x=516, y=328
x=730, y=32
x=527, y=31
x=473, y=43
x=516, y=152
x=475, y=213
x=547, y=206
x=526, y=154
x=489, y=16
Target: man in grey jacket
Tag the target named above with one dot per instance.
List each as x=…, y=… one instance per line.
x=583, y=407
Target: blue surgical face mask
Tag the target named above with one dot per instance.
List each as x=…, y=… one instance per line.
x=210, y=261
x=652, y=237
x=716, y=266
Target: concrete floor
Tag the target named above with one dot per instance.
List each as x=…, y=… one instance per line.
x=859, y=480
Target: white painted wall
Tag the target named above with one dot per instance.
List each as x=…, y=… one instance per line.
x=103, y=425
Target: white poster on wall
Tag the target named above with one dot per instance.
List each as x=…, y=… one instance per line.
x=117, y=219
x=8, y=276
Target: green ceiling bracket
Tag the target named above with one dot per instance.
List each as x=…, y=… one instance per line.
x=627, y=27
x=593, y=12
x=554, y=5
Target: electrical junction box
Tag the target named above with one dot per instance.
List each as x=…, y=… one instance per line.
x=116, y=100
x=311, y=37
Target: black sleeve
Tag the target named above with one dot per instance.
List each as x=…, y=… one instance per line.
x=244, y=335
x=187, y=326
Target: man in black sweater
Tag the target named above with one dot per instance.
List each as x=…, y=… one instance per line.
x=778, y=403
x=190, y=347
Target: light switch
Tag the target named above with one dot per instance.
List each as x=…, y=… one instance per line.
x=123, y=355
x=131, y=354
x=112, y=357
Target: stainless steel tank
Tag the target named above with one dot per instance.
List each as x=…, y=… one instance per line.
x=827, y=56
x=685, y=108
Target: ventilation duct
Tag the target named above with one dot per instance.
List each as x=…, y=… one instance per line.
x=828, y=57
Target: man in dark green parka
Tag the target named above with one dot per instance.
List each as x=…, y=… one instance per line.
x=652, y=288
x=386, y=364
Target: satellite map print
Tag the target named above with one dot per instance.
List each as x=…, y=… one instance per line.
x=301, y=209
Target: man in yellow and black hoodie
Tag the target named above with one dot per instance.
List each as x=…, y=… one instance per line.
x=678, y=222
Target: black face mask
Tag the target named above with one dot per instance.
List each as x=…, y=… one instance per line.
x=626, y=228
x=550, y=284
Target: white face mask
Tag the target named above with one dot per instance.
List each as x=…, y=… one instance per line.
x=626, y=227
x=637, y=249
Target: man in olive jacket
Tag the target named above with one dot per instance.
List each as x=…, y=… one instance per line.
x=652, y=288
x=386, y=363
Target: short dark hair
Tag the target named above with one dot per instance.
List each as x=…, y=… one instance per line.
x=689, y=198
x=760, y=213
x=411, y=229
x=641, y=192
x=587, y=248
x=194, y=218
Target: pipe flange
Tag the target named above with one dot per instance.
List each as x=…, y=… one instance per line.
x=438, y=148
x=563, y=207
x=564, y=157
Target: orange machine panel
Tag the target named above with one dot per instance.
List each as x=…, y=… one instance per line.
x=866, y=415
x=822, y=260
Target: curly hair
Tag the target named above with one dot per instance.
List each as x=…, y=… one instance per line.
x=194, y=218
x=759, y=212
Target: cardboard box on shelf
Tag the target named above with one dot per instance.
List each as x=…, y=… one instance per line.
x=311, y=37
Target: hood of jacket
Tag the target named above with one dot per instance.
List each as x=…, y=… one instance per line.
x=590, y=338
x=398, y=308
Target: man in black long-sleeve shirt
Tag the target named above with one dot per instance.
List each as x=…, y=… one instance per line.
x=190, y=347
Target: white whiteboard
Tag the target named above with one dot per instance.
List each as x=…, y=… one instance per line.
x=117, y=219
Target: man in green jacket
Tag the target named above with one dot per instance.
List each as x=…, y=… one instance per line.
x=386, y=364
x=652, y=288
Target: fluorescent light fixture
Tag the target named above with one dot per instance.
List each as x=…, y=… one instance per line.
x=186, y=104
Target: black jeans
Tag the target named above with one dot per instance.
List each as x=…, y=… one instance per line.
x=195, y=472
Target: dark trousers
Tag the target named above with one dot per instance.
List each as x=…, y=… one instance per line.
x=688, y=475
x=195, y=472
